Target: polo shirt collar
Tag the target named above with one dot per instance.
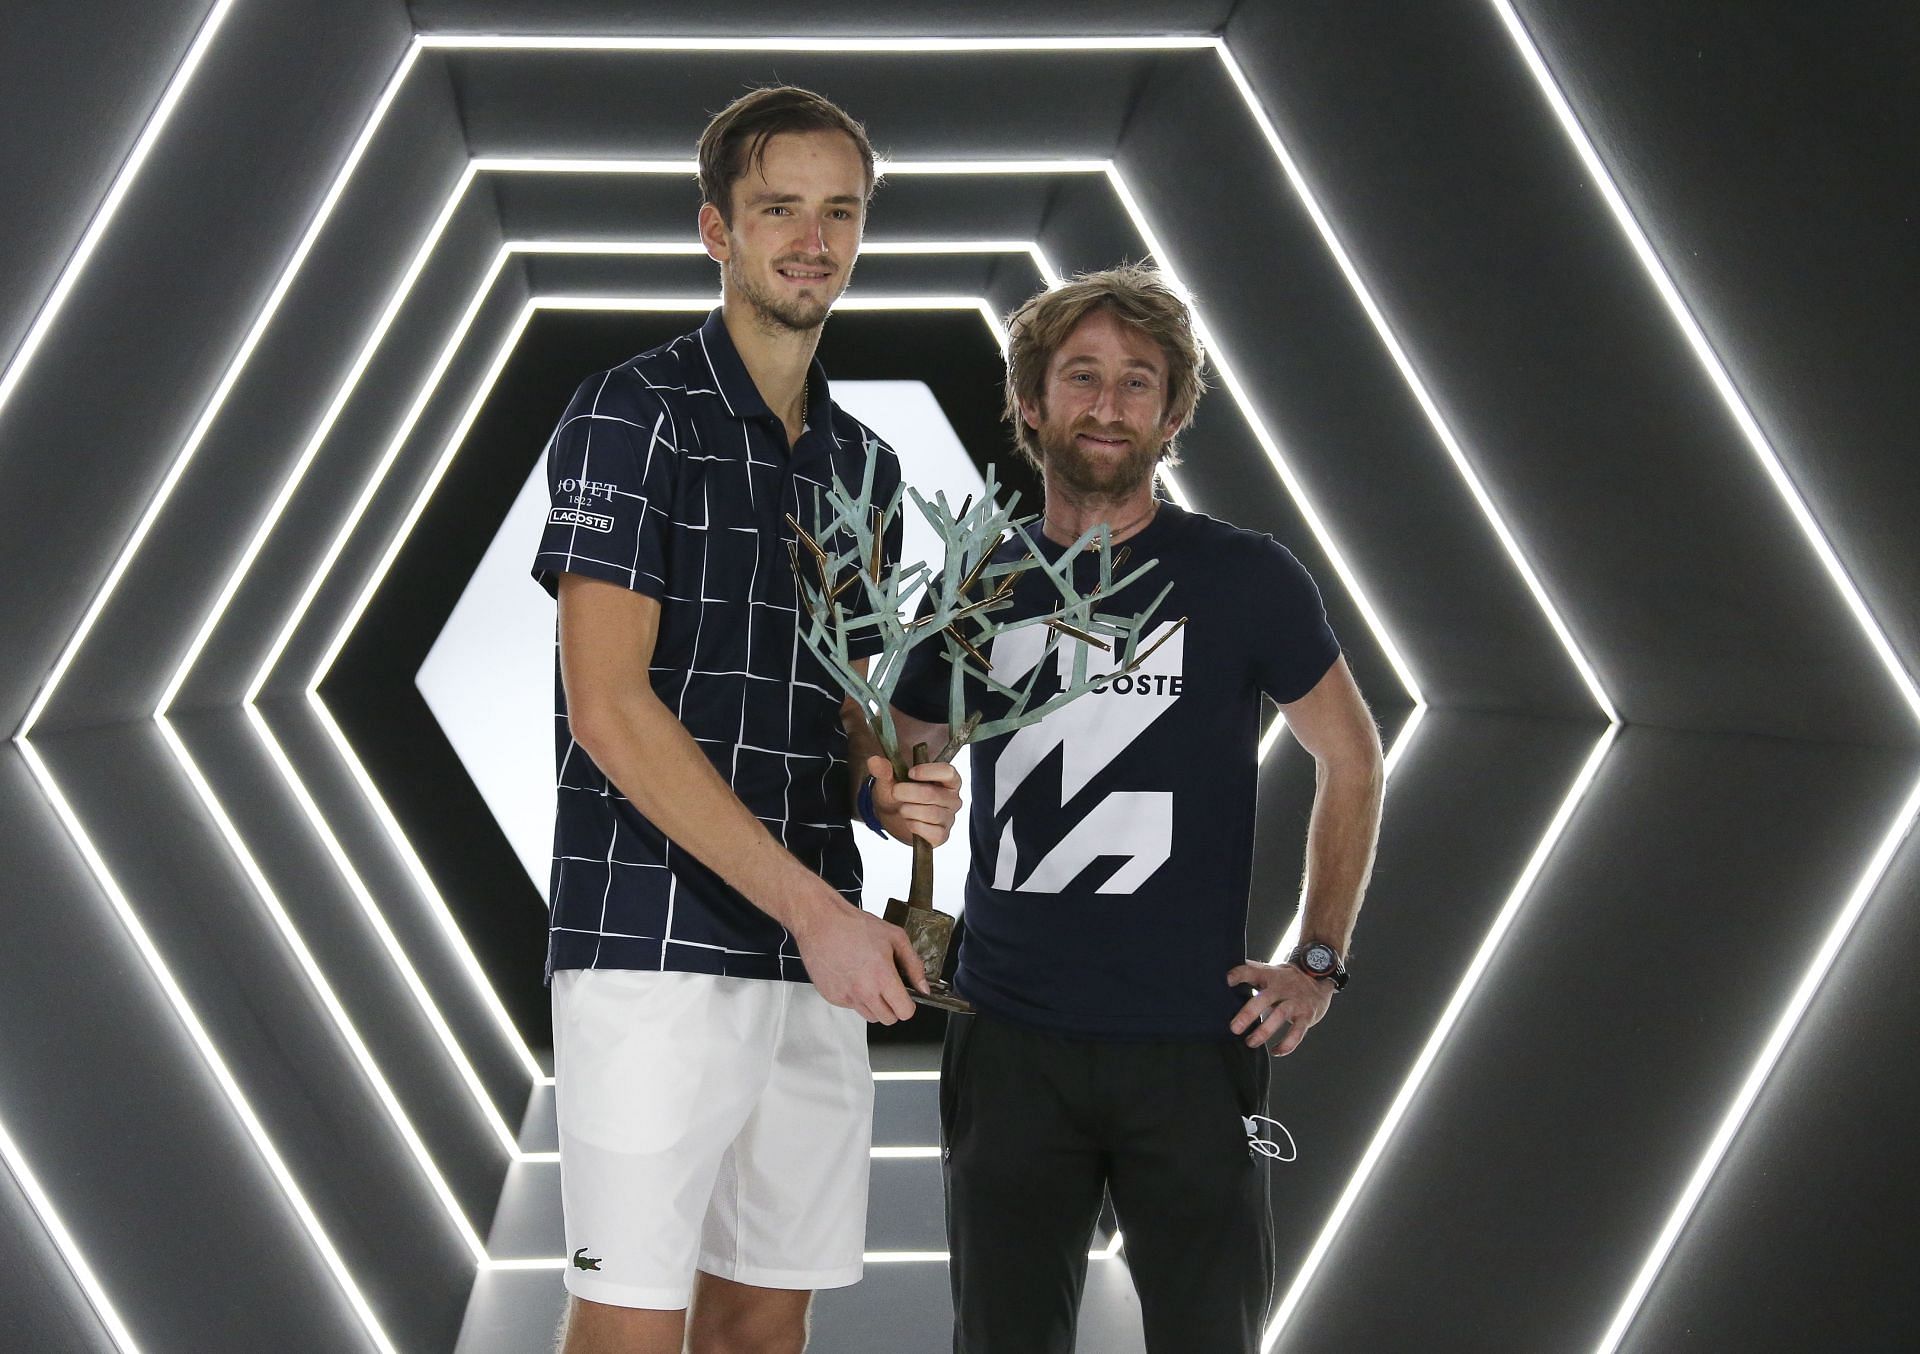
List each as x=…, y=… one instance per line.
x=736, y=387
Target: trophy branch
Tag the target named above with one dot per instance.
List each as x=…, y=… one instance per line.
x=853, y=598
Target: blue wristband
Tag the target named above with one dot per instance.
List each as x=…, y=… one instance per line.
x=865, y=800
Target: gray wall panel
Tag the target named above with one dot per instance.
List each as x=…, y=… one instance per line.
x=127, y=1129
x=1466, y=808
x=262, y=427
x=168, y=299
x=352, y=820
x=1609, y=1034
x=270, y=1026
x=42, y=1306
x=379, y=402
x=390, y=505
x=1770, y=159
x=1800, y=1242
x=371, y=988
x=1595, y=429
x=78, y=83
x=914, y=105
x=1336, y=403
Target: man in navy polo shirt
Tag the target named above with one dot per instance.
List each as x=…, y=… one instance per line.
x=1119, y=1043
x=710, y=963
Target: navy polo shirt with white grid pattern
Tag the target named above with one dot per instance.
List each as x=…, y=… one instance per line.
x=669, y=475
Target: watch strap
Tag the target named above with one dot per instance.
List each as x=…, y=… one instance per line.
x=1337, y=975
x=864, y=801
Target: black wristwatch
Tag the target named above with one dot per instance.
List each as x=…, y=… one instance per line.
x=1319, y=960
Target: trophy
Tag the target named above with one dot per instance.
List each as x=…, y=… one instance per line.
x=849, y=595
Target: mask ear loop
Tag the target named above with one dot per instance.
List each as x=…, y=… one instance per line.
x=1267, y=1147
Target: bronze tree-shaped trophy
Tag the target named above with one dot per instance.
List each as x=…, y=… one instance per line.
x=850, y=595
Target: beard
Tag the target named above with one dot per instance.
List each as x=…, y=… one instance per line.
x=1083, y=472
x=795, y=314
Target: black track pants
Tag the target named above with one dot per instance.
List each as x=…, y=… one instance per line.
x=1036, y=1127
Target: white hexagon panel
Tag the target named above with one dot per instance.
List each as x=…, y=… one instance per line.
x=489, y=676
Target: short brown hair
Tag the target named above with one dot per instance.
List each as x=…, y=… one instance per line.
x=736, y=140
x=1139, y=297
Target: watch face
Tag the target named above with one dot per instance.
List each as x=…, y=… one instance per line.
x=1319, y=958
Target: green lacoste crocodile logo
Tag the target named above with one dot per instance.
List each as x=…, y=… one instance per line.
x=581, y=1260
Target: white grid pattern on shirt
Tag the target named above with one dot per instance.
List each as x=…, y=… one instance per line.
x=737, y=592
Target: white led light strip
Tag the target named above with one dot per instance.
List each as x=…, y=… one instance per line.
x=1823, y=549
x=523, y=42
x=1391, y=341
x=110, y=205
x=219, y=397
x=1709, y=360
x=329, y=999
x=377, y=919
x=1449, y=1017
x=215, y=1064
x=82, y=1272
x=1789, y=1021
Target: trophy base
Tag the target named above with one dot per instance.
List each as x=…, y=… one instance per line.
x=943, y=997
x=929, y=931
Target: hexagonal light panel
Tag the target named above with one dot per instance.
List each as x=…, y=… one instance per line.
x=385, y=102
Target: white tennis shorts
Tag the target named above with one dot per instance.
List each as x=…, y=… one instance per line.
x=706, y=1123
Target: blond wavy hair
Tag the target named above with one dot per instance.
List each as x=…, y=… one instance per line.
x=1140, y=298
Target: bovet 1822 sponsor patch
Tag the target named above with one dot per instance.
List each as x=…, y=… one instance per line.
x=586, y=521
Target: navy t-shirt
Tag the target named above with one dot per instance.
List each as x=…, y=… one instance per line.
x=670, y=476
x=1113, y=840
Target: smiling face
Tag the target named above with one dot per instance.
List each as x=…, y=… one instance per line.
x=796, y=215
x=1102, y=422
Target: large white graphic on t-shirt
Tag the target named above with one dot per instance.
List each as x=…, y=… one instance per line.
x=1090, y=733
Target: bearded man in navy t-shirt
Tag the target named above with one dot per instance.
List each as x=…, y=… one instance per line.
x=1121, y=1036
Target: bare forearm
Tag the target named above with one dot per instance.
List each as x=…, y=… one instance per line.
x=1341, y=836
x=653, y=760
